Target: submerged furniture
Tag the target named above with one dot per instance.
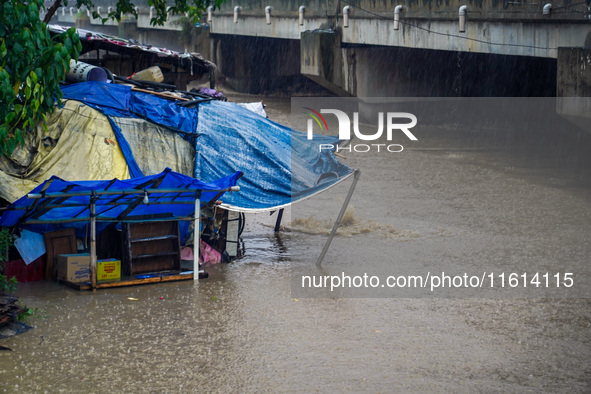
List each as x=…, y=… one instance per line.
x=151, y=247
x=164, y=197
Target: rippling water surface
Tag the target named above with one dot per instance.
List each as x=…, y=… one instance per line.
x=243, y=330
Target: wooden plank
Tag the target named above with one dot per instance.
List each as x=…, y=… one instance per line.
x=163, y=95
x=129, y=282
x=154, y=238
x=76, y=286
x=151, y=247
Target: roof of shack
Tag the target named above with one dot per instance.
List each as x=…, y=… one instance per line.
x=90, y=40
x=165, y=196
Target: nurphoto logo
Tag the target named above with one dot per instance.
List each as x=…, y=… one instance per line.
x=344, y=125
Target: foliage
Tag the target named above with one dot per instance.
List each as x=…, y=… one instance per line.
x=32, y=63
x=32, y=313
x=31, y=67
x=162, y=8
x=5, y=244
x=7, y=286
x=23, y=318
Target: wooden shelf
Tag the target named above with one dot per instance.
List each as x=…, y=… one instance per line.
x=145, y=256
x=154, y=238
x=151, y=247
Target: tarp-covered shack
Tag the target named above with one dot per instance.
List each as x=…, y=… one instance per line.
x=105, y=131
x=125, y=57
x=57, y=203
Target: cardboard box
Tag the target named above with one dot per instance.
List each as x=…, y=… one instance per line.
x=74, y=268
x=109, y=269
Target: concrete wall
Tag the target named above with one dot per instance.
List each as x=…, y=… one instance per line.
x=258, y=64
x=427, y=56
x=574, y=85
x=174, y=39
x=433, y=9
x=379, y=71
x=503, y=37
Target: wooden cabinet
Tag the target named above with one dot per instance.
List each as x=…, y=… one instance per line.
x=151, y=247
x=56, y=243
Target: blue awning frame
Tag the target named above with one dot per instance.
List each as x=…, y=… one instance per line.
x=87, y=198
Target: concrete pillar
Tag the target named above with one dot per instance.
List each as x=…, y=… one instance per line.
x=573, y=85
x=574, y=72
x=321, y=60
x=83, y=22
x=258, y=64
x=128, y=29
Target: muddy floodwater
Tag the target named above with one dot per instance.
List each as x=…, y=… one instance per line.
x=491, y=203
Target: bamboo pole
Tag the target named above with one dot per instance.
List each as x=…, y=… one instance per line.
x=163, y=95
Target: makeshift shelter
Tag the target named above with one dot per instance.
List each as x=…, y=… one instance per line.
x=107, y=131
x=162, y=197
x=58, y=203
x=125, y=56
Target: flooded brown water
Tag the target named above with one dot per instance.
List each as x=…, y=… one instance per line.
x=242, y=329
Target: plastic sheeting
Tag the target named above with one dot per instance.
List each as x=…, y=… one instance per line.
x=256, y=107
x=156, y=147
x=120, y=100
x=113, y=207
x=214, y=139
x=79, y=144
x=280, y=165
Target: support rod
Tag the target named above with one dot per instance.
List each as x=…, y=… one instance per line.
x=93, y=242
x=196, y=238
x=356, y=175
x=124, y=192
x=278, y=222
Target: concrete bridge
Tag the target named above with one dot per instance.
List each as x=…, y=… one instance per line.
x=370, y=48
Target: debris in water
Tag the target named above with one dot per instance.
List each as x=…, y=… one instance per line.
x=350, y=225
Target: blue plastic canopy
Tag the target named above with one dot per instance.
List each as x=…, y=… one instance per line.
x=63, y=202
x=280, y=165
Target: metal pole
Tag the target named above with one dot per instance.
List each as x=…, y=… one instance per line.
x=125, y=192
x=196, y=239
x=278, y=222
x=93, y=242
x=356, y=175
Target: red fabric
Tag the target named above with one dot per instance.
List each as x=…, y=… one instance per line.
x=25, y=273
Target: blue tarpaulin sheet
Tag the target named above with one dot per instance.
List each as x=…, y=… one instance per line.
x=120, y=100
x=280, y=165
x=115, y=207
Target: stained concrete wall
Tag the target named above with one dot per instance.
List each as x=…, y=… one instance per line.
x=433, y=9
x=574, y=85
x=370, y=59
x=378, y=71
x=574, y=72
x=257, y=64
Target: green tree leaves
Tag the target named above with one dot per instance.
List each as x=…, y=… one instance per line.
x=31, y=68
x=32, y=64
x=194, y=9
